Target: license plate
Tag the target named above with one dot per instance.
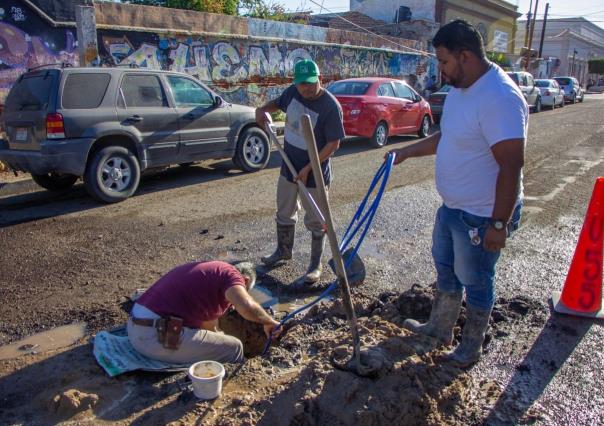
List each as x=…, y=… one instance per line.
x=21, y=134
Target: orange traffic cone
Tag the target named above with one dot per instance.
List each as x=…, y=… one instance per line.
x=582, y=292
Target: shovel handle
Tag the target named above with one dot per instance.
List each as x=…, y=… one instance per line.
x=314, y=208
x=309, y=136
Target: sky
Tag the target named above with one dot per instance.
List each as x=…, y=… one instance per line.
x=590, y=9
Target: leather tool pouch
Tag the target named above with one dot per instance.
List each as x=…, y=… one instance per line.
x=169, y=332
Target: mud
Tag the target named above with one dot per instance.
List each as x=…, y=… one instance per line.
x=251, y=334
x=298, y=382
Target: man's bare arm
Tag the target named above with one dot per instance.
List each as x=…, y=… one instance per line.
x=509, y=155
x=423, y=148
x=270, y=106
x=327, y=151
x=247, y=306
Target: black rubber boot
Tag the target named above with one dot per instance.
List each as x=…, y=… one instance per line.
x=313, y=274
x=285, y=244
x=472, y=337
x=443, y=316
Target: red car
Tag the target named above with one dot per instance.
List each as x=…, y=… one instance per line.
x=378, y=107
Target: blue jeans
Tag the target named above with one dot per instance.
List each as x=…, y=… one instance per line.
x=461, y=263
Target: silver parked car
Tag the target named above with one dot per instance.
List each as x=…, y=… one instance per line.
x=573, y=91
x=552, y=94
x=526, y=83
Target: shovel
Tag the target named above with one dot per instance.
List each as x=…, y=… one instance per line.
x=362, y=369
x=303, y=191
x=355, y=271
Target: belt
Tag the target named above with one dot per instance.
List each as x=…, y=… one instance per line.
x=146, y=322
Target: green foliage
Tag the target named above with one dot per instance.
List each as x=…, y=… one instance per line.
x=596, y=66
x=261, y=9
x=226, y=7
x=499, y=58
x=278, y=116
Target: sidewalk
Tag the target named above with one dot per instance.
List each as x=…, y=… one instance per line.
x=12, y=185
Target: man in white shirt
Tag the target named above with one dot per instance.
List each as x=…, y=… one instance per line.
x=479, y=159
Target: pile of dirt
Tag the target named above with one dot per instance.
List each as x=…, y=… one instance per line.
x=297, y=383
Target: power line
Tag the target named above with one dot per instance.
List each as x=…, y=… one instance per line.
x=421, y=52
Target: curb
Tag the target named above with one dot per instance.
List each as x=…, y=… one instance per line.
x=18, y=187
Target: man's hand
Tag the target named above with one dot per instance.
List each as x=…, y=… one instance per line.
x=273, y=330
x=399, y=155
x=303, y=175
x=494, y=240
x=262, y=117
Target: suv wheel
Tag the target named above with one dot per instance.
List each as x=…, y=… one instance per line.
x=55, y=182
x=112, y=174
x=582, y=98
x=424, y=128
x=574, y=100
x=380, y=135
x=253, y=150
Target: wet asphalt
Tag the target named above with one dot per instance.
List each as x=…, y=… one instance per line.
x=66, y=258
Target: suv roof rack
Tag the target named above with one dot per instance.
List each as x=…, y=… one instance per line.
x=58, y=64
x=129, y=65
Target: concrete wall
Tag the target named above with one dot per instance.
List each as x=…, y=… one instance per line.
x=246, y=60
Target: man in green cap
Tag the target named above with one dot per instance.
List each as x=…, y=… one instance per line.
x=305, y=96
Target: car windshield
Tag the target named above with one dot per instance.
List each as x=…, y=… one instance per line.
x=349, y=88
x=564, y=81
x=542, y=83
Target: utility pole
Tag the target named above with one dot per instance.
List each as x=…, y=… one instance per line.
x=528, y=24
x=530, y=41
x=87, y=37
x=543, y=30
x=573, y=68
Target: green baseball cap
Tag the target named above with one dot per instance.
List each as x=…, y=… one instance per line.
x=306, y=71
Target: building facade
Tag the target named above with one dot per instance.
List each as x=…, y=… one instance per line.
x=495, y=19
x=568, y=45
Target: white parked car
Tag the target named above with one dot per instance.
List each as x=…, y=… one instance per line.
x=551, y=93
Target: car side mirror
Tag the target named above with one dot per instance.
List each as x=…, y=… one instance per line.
x=218, y=101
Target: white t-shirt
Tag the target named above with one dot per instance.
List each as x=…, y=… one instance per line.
x=473, y=120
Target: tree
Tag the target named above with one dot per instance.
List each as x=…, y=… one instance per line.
x=499, y=58
x=596, y=66
x=263, y=10
x=226, y=7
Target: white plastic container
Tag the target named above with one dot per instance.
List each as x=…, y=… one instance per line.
x=206, y=377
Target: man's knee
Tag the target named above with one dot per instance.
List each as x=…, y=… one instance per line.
x=236, y=351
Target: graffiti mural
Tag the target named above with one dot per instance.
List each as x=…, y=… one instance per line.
x=251, y=72
x=246, y=71
x=26, y=42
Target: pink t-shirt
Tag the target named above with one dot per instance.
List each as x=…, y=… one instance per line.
x=193, y=292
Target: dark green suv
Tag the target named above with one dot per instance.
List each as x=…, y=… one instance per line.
x=109, y=124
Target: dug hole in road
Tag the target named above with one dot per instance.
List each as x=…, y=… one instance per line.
x=66, y=259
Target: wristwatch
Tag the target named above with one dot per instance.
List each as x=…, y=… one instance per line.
x=498, y=224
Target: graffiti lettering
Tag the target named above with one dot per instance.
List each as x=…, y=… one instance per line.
x=20, y=51
x=17, y=13
x=228, y=64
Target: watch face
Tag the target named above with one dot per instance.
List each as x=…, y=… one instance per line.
x=498, y=225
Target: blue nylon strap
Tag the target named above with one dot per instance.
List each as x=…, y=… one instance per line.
x=363, y=218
